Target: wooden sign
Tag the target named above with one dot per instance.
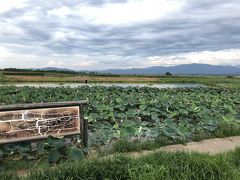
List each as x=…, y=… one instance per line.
x=30, y=124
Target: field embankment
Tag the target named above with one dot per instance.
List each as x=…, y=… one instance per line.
x=68, y=77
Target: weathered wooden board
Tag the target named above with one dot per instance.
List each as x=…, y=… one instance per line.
x=38, y=123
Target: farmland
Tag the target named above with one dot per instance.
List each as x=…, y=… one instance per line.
x=131, y=119
x=144, y=113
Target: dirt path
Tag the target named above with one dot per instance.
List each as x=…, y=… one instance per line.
x=211, y=146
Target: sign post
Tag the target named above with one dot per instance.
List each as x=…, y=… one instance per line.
x=29, y=122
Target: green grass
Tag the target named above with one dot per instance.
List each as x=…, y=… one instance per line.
x=124, y=145
x=3, y=79
x=214, y=81
x=8, y=176
x=161, y=165
x=10, y=165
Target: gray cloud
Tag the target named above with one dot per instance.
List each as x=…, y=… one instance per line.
x=200, y=25
x=102, y=2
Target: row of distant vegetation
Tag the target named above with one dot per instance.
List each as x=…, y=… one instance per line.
x=27, y=75
x=41, y=72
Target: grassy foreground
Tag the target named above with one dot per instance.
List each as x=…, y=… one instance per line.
x=161, y=165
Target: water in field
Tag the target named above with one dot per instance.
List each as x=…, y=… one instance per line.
x=74, y=85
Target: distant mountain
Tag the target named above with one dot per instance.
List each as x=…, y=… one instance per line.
x=184, y=69
x=55, y=69
x=204, y=69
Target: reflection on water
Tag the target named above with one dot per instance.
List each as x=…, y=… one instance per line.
x=74, y=85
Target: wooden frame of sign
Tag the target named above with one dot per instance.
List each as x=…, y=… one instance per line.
x=32, y=122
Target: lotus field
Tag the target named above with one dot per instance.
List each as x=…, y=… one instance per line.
x=143, y=113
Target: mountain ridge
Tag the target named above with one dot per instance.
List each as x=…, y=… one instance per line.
x=183, y=69
x=205, y=69
x=55, y=69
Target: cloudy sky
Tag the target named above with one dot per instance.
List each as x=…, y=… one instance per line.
x=104, y=34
